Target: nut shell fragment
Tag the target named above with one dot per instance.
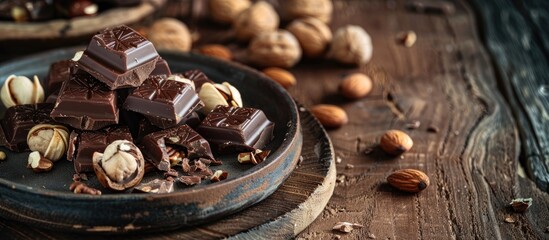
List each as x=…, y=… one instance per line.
x=38, y=163
x=19, y=90
x=120, y=167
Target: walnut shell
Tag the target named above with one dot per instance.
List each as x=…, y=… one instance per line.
x=120, y=167
x=351, y=45
x=259, y=18
x=170, y=34
x=274, y=49
x=313, y=35
x=409, y=180
x=226, y=11
x=320, y=9
x=395, y=142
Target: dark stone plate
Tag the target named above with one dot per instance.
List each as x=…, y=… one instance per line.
x=45, y=200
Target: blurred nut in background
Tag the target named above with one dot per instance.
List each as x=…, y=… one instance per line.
x=259, y=18
x=330, y=116
x=356, y=86
x=281, y=76
x=313, y=35
x=217, y=51
x=19, y=90
x=320, y=9
x=226, y=11
x=274, y=49
x=351, y=45
x=170, y=34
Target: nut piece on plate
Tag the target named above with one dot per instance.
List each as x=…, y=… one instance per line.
x=313, y=35
x=409, y=180
x=217, y=51
x=170, y=34
x=320, y=9
x=274, y=49
x=330, y=116
x=38, y=163
x=356, y=86
x=351, y=45
x=395, y=142
x=259, y=18
x=120, y=167
x=216, y=94
x=226, y=11
x=281, y=76
x=19, y=90
x=81, y=188
x=50, y=140
x=255, y=157
x=219, y=175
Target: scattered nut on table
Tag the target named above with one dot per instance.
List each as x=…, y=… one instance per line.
x=170, y=34
x=274, y=49
x=259, y=18
x=281, y=76
x=19, y=90
x=38, y=163
x=351, y=45
x=395, y=142
x=356, y=86
x=409, y=180
x=313, y=35
x=330, y=116
x=226, y=11
x=217, y=51
x=216, y=94
x=50, y=140
x=346, y=227
x=408, y=38
x=120, y=166
x=294, y=9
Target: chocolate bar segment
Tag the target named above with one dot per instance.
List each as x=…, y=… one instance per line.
x=161, y=68
x=198, y=77
x=17, y=122
x=59, y=72
x=236, y=129
x=119, y=57
x=85, y=103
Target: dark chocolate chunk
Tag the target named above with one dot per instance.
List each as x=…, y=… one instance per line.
x=190, y=180
x=83, y=144
x=85, y=103
x=17, y=122
x=198, y=77
x=119, y=57
x=185, y=165
x=164, y=102
x=155, y=186
x=171, y=173
x=161, y=68
x=236, y=129
x=59, y=73
x=200, y=169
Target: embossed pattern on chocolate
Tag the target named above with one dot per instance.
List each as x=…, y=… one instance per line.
x=59, y=73
x=17, y=122
x=198, y=77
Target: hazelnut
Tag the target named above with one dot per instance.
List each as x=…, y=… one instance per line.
x=216, y=94
x=226, y=11
x=259, y=18
x=330, y=116
x=313, y=35
x=170, y=34
x=281, y=76
x=351, y=45
x=356, y=86
x=320, y=9
x=274, y=49
x=3, y=156
x=38, y=163
x=409, y=180
x=50, y=140
x=120, y=166
x=217, y=51
x=19, y=90
x=395, y=142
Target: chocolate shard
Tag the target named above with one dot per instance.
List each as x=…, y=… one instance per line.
x=200, y=169
x=157, y=186
x=161, y=68
x=190, y=180
x=164, y=102
x=119, y=57
x=198, y=77
x=235, y=129
x=59, y=72
x=17, y=122
x=86, y=104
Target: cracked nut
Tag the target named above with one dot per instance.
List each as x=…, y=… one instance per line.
x=259, y=18
x=520, y=205
x=351, y=45
x=120, y=166
x=281, y=76
x=50, y=140
x=313, y=36
x=19, y=90
x=395, y=142
x=356, y=86
x=81, y=188
x=320, y=9
x=330, y=116
x=216, y=94
x=274, y=49
x=409, y=180
x=170, y=34
x=226, y=11
x=219, y=175
x=255, y=157
x=217, y=51
x=38, y=163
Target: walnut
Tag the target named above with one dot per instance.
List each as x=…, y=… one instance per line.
x=120, y=166
x=320, y=9
x=313, y=35
x=259, y=18
x=351, y=45
x=170, y=34
x=18, y=90
x=274, y=49
x=49, y=140
x=226, y=11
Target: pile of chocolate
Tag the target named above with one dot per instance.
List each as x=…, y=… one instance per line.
x=120, y=92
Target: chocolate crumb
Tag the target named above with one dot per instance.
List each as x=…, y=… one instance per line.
x=509, y=219
x=171, y=173
x=149, y=167
x=547, y=229
x=413, y=125
x=83, y=177
x=433, y=129
x=349, y=166
x=340, y=178
x=190, y=180
x=216, y=162
x=76, y=177
x=200, y=169
x=185, y=165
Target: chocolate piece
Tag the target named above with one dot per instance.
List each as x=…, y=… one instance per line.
x=171, y=173
x=17, y=122
x=236, y=129
x=193, y=120
x=82, y=145
x=161, y=68
x=155, y=186
x=59, y=73
x=85, y=103
x=185, y=165
x=52, y=98
x=182, y=136
x=190, y=180
x=119, y=57
x=198, y=77
x=164, y=102
x=144, y=126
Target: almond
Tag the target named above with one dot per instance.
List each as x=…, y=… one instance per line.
x=395, y=142
x=409, y=180
x=330, y=116
x=281, y=76
x=356, y=86
x=217, y=51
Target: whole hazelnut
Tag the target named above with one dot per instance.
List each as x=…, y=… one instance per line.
x=226, y=11
x=320, y=9
x=313, y=35
x=259, y=18
x=274, y=49
x=356, y=86
x=351, y=45
x=50, y=140
x=170, y=34
x=395, y=142
x=19, y=90
x=120, y=166
x=330, y=116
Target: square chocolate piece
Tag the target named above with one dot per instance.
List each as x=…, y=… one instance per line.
x=59, y=72
x=236, y=129
x=119, y=57
x=17, y=122
x=198, y=77
x=85, y=103
x=161, y=68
